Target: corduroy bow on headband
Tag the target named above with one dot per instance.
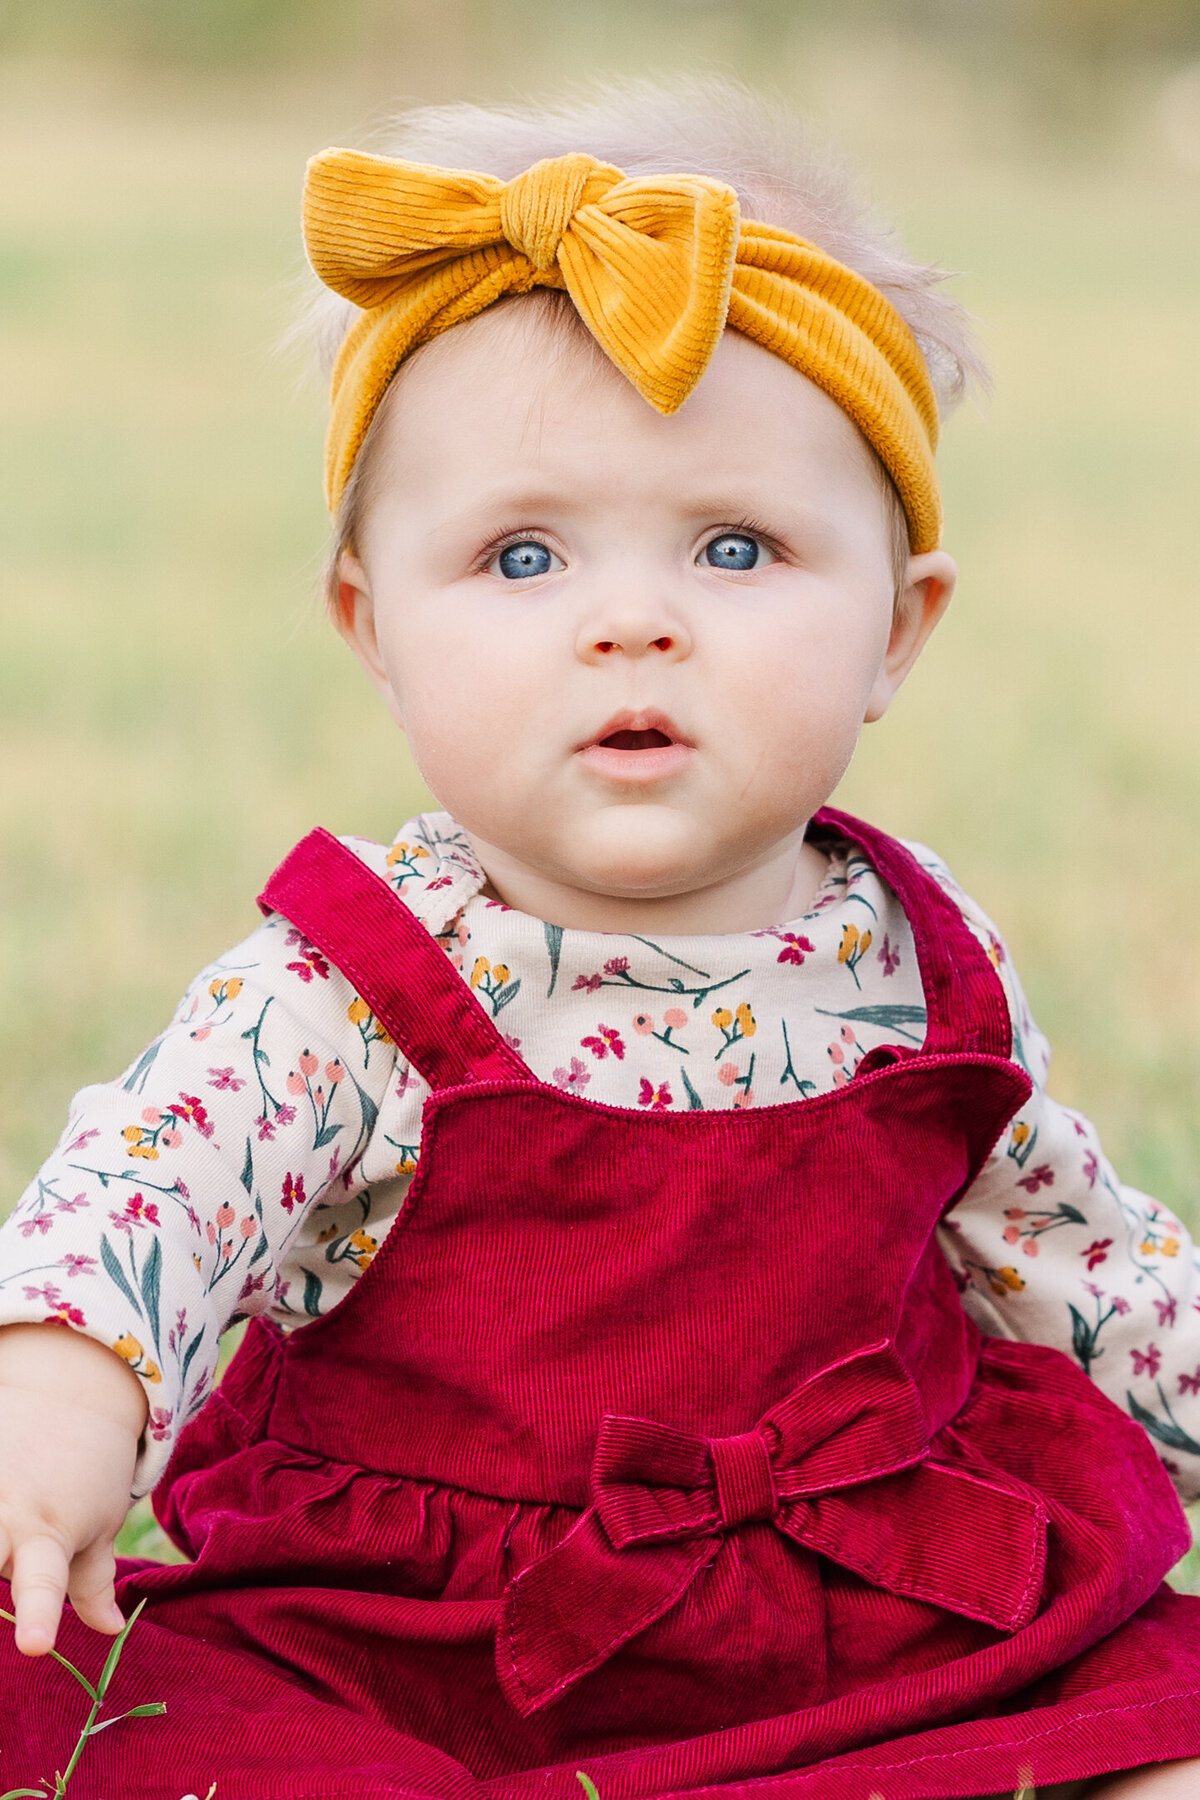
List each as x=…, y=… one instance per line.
x=656, y=266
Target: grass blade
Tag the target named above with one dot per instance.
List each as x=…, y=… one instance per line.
x=153, y=1709
x=109, y=1669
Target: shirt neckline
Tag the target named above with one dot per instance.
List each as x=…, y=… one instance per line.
x=439, y=883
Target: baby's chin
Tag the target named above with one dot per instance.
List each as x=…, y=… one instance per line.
x=638, y=853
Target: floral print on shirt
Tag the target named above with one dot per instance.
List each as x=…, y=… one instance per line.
x=255, y=1156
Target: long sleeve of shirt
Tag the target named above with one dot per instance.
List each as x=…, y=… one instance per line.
x=1050, y=1247
x=177, y=1191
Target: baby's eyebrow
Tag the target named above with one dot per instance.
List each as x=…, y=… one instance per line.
x=532, y=502
x=737, y=503
x=757, y=507
x=514, y=504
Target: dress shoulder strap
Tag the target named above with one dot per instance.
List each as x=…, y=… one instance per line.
x=361, y=924
x=966, y=1006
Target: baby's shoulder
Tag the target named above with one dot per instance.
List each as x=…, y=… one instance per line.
x=852, y=867
x=1030, y=1047
x=427, y=866
x=978, y=922
x=937, y=866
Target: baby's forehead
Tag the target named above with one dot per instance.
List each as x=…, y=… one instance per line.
x=540, y=328
x=529, y=369
x=519, y=409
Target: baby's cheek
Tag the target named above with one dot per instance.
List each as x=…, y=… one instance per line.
x=445, y=750
x=473, y=753
x=807, y=745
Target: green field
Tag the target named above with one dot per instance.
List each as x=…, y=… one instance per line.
x=174, y=711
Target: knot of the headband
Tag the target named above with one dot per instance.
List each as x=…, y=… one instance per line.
x=656, y=267
x=537, y=207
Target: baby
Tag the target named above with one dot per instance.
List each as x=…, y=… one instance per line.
x=679, y=1313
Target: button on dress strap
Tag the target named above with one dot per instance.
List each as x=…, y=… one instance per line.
x=965, y=1002
x=361, y=924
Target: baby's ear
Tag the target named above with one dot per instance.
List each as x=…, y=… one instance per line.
x=928, y=584
x=353, y=609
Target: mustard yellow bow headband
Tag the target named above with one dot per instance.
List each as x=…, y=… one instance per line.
x=656, y=266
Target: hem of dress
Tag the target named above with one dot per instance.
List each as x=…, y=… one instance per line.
x=945, y=1774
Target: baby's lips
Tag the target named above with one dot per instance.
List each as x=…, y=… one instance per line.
x=657, y=760
x=648, y=722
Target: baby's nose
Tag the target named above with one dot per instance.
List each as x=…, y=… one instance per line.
x=635, y=617
x=629, y=644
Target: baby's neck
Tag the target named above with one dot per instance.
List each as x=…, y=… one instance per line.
x=781, y=887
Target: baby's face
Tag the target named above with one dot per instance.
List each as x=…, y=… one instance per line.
x=632, y=654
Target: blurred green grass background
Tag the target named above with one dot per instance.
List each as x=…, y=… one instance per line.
x=174, y=711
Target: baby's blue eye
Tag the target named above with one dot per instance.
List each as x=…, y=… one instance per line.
x=516, y=561
x=734, y=550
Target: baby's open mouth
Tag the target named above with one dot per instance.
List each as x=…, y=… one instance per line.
x=644, y=746
x=646, y=729
x=636, y=740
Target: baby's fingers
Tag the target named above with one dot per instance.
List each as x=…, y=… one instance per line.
x=39, y=1582
x=91, y=1588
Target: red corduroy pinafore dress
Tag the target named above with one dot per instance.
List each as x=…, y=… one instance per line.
x=653, y=1445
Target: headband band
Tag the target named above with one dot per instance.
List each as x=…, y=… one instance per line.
x=656, y=266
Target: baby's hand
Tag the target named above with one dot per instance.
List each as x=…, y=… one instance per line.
x=71, y=1414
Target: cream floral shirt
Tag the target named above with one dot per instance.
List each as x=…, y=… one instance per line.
x=255, y=1156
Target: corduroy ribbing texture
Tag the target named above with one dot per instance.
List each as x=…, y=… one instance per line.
x=656, y=267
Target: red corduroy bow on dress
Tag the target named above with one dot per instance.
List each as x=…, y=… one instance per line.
x=843, y=1466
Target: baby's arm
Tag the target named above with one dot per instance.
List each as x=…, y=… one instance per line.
x=71, y=1414
x=174, y=1196
x=1050, y=1247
